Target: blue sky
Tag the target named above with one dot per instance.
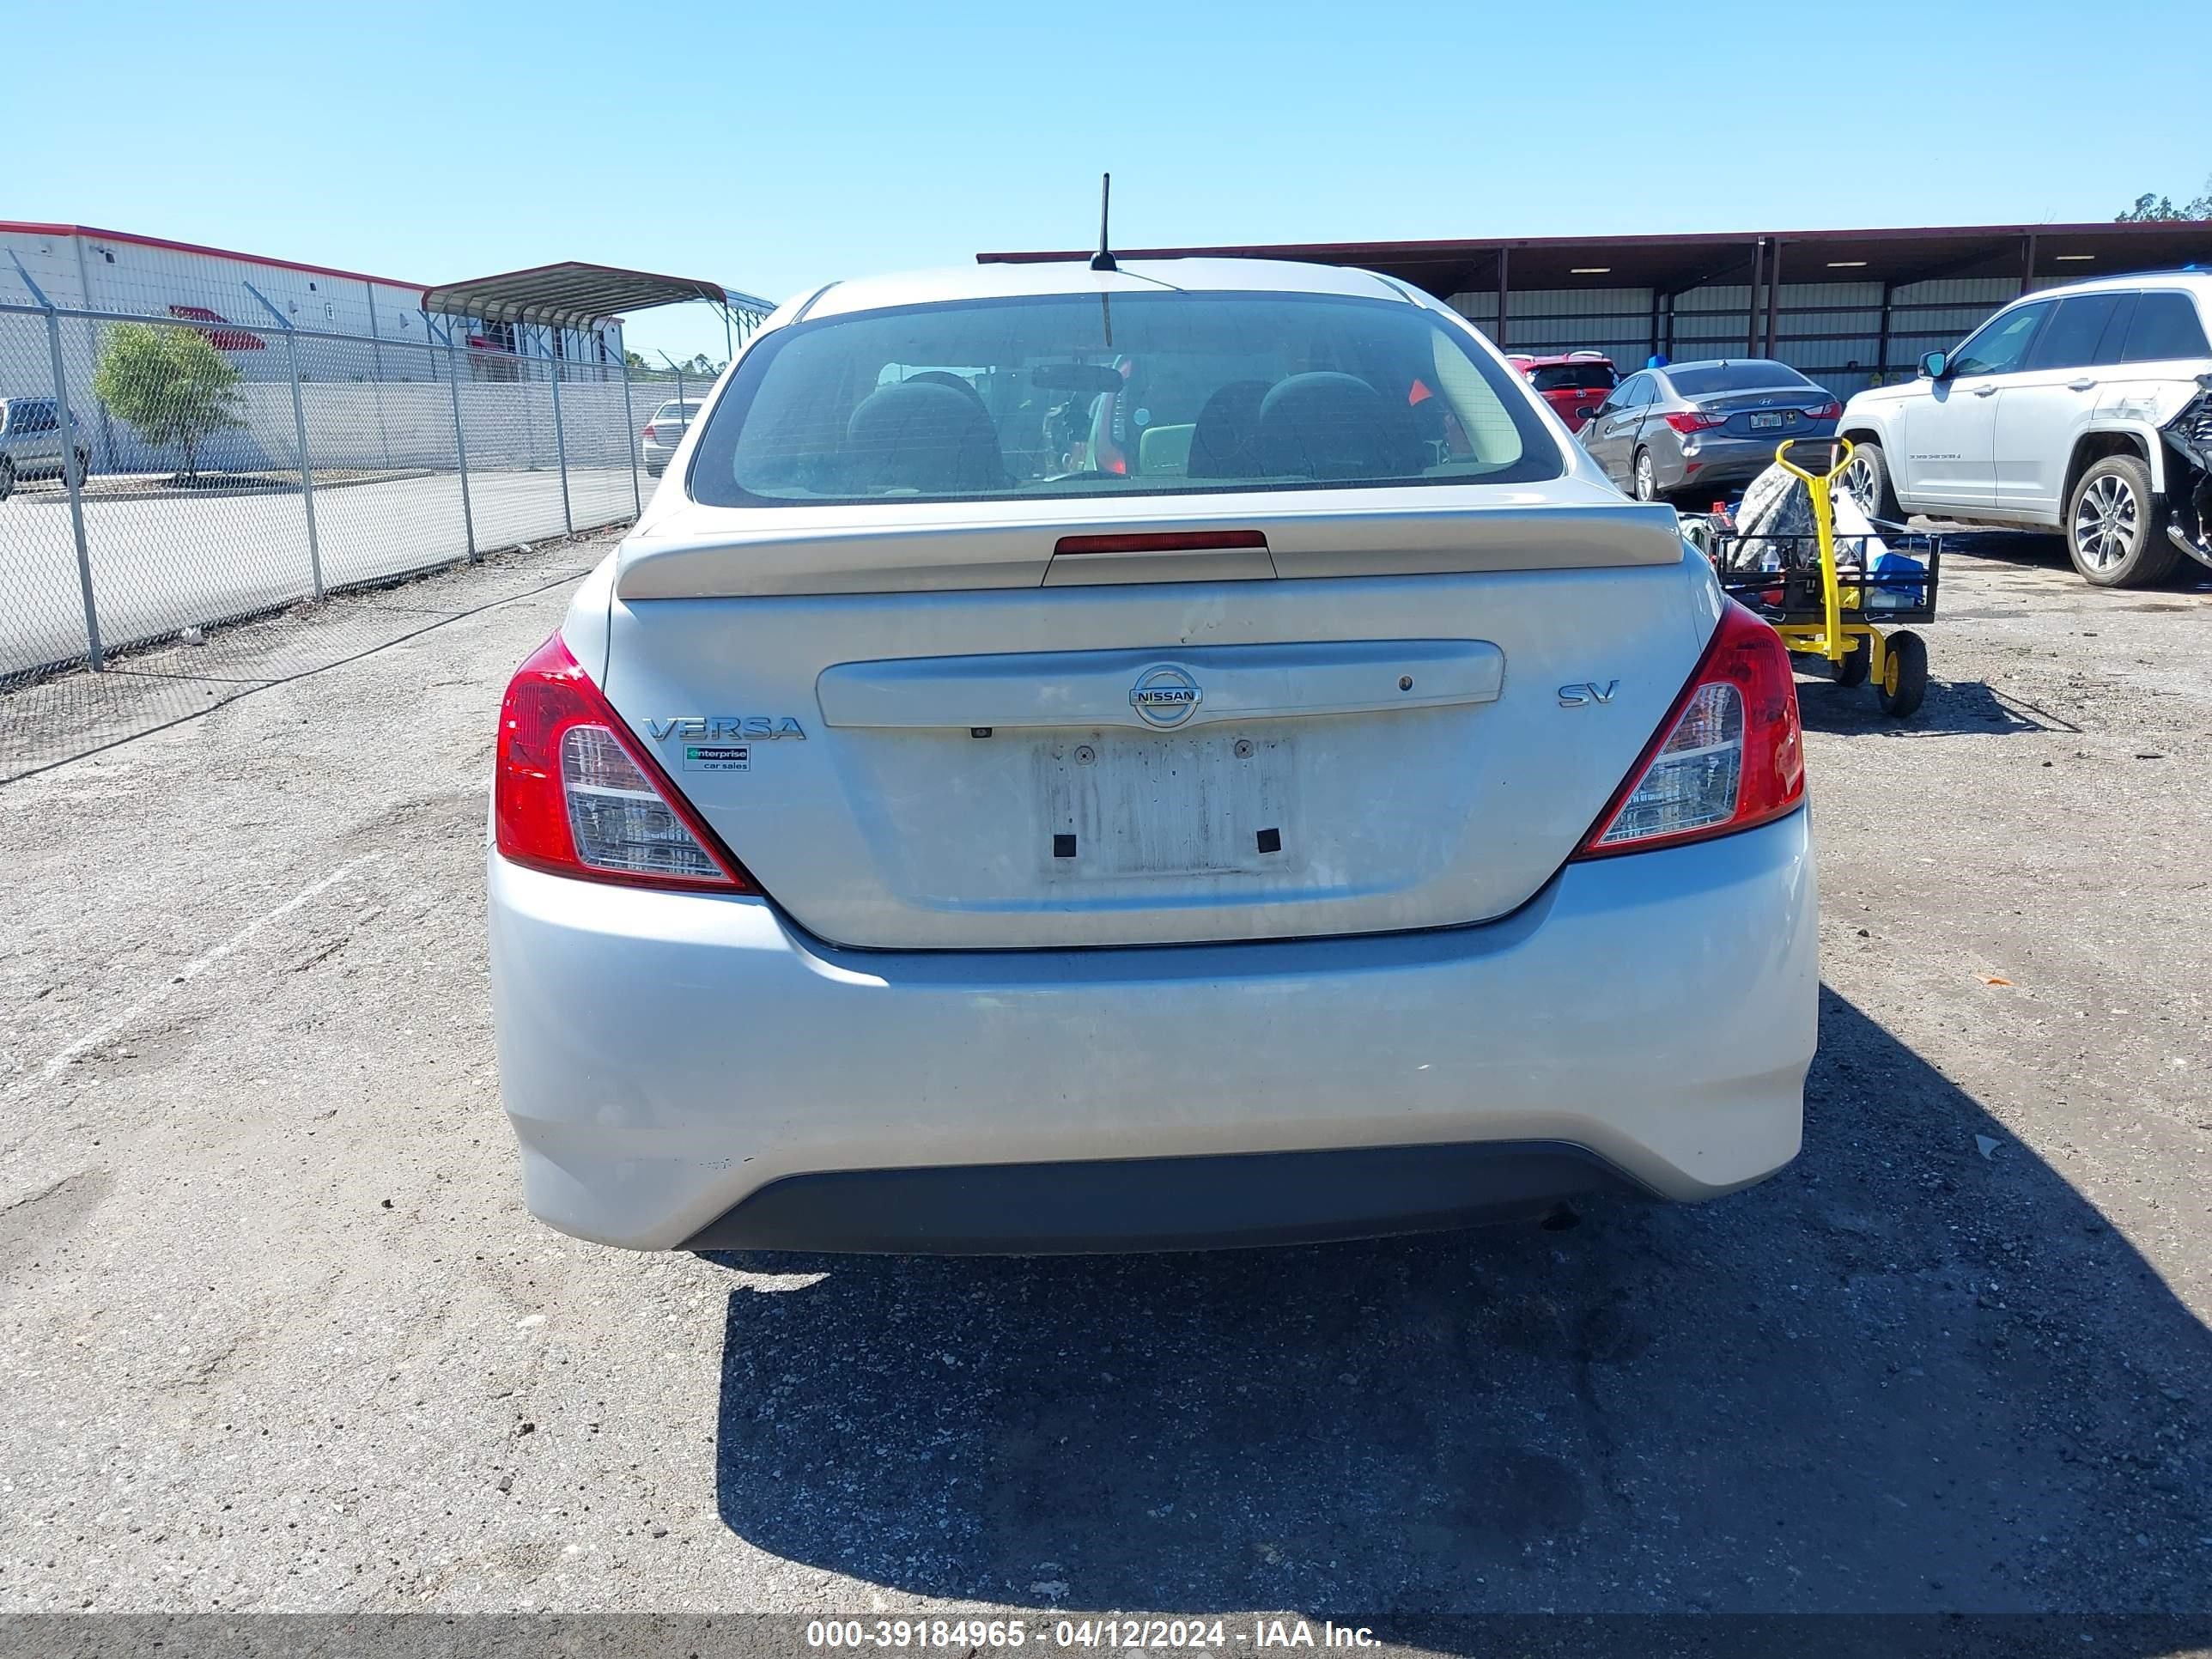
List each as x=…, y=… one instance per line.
x=772, y=148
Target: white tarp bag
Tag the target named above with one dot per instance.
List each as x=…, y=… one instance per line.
x=1775, y=530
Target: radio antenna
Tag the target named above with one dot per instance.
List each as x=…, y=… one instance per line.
x=1103, y=259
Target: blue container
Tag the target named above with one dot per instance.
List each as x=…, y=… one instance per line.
x=1893, y=587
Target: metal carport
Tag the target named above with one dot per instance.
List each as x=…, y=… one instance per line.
x=575, y=294
x=1846, y=307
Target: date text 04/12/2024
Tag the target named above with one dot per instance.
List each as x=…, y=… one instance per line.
x=1108, y=1634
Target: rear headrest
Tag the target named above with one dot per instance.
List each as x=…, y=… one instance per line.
x=925, y=437
x=1326, y=425
x=944, y=377
x=1221, y=444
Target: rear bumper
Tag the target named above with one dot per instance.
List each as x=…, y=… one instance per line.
x=1731, y=460
x=672, y=1066
x=1162, y=1203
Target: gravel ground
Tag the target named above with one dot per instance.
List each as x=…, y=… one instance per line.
x=278, y=1334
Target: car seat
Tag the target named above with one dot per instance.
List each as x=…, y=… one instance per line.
x=1222, y=439
x=923, y=437
x=1328, y=425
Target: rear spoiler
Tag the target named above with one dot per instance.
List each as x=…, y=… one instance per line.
x=729, y=553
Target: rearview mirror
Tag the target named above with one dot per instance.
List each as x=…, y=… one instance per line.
x=1935, y=365
x=1093, y=378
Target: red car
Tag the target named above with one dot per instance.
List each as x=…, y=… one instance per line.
x=1572, y=384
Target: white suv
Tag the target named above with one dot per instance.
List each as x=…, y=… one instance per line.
x=2086, y=409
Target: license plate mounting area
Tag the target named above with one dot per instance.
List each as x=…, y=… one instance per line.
x=1128, y=806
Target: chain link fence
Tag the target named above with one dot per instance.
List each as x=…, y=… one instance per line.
x=162, y=483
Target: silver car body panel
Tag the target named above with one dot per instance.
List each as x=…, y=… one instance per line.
x=1017, y=908
x=667, y=432
x=1394, y=811
x=663, y=1056
x=31, y=436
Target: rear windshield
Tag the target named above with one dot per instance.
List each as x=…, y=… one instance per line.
x=1067, y=395
x=1573, y=377
x=683, y=412
x=1756, y=375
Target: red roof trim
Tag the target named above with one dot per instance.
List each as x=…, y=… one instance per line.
x=93, y=232
x=1333, y=252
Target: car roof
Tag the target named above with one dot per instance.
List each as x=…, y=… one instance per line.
x=1553, y=359
x=1003, y=281
x=2198, y=281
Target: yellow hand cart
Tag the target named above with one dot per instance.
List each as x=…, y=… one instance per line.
x=1831, y=596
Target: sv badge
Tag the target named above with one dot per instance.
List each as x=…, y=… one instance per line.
x=1581, y=697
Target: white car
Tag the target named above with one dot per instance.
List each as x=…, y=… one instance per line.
x=1086, y=759
x=2082, y=409
x=664, y=431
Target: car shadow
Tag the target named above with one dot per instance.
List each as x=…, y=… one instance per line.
x=2040, y=550
x=1952, y=708
x=1916, y=1372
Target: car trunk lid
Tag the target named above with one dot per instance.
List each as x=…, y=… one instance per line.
x=1781, y=410
x=920, y=738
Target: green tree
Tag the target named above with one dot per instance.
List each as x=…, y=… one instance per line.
x=2152, y=209
x=170, y=384
x=699, y=365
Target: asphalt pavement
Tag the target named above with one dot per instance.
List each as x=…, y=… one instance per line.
x=278, y=1334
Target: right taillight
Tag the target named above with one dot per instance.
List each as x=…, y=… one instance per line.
x=1730, y=755
x=573, y=794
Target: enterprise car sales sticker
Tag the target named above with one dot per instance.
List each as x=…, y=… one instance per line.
x=717, y=757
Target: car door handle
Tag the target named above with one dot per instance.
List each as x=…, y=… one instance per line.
x=1984, y=390
x=2082, y=385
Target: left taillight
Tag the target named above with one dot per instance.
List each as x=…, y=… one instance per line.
x=1686, y=420
x=572, y=793
x=651, y=432
x=1729, y=756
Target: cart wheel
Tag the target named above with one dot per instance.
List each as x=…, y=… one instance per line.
x=1852, y=670
x=1904, y=676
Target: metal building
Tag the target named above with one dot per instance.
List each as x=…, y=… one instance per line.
x=82, y=268
x=375, y=331
x=1846, y=307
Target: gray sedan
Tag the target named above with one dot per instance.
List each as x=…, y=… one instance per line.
x=1693, y=430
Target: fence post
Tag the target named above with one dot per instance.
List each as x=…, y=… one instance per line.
x=630, y=425
x=560, y=439
x=299, y=431
x=72, y=473
x=460, y=443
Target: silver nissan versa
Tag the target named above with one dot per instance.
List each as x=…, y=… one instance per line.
x=1086, y=759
